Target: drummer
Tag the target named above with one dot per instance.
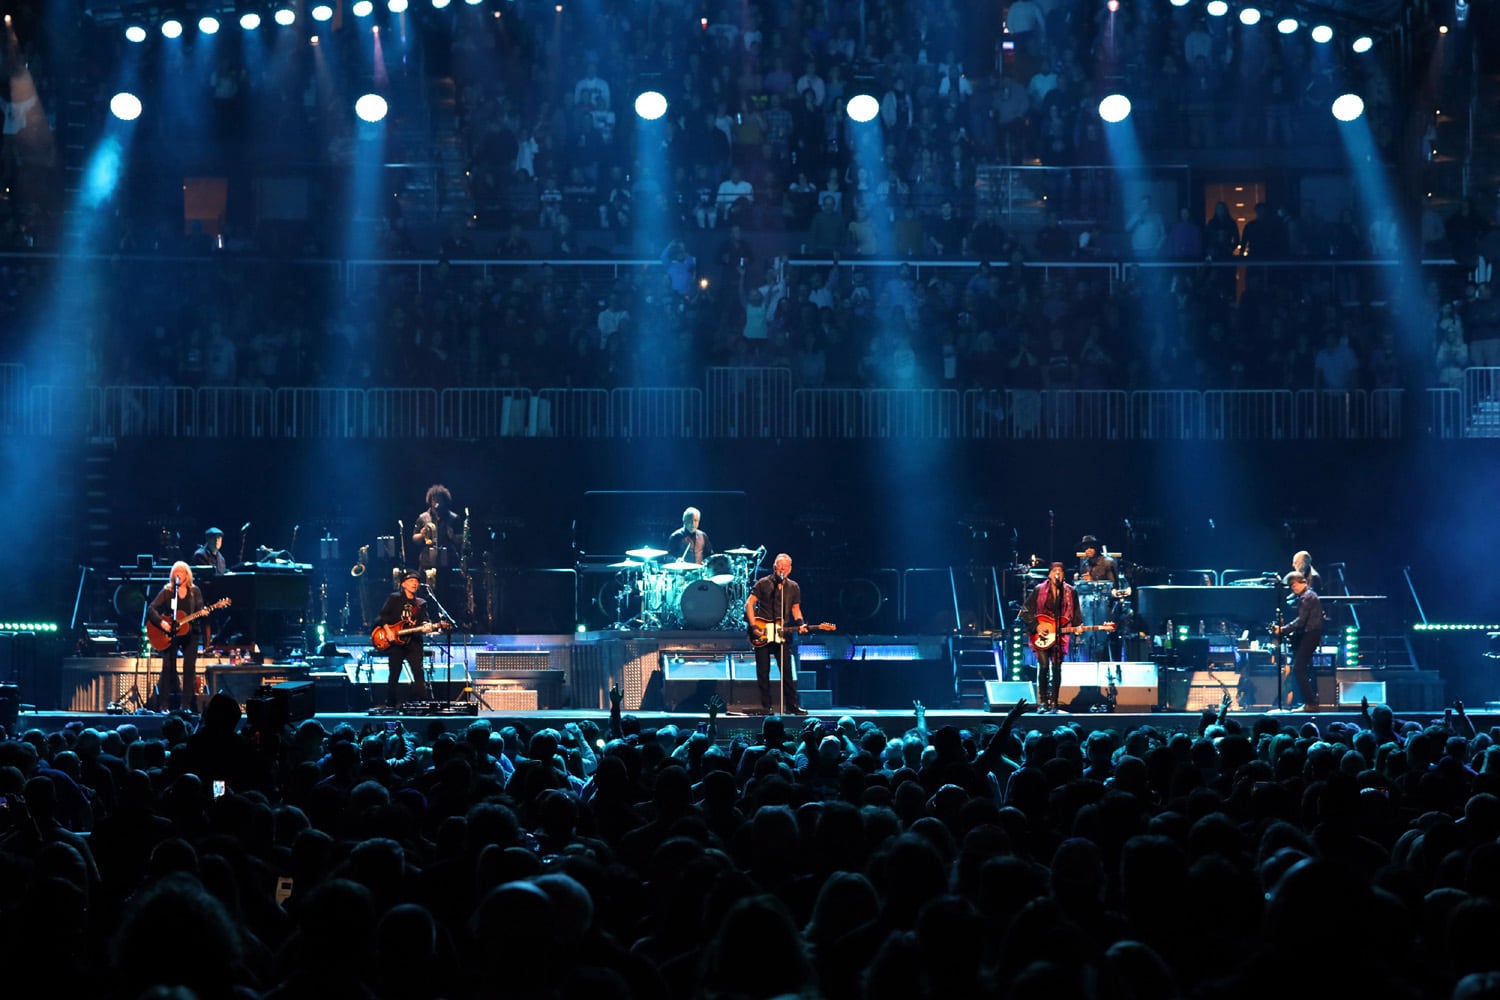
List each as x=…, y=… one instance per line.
x=1095, y=602
x=688, y=544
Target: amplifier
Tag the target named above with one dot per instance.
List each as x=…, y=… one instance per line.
x=504, y=696
x=512, y=659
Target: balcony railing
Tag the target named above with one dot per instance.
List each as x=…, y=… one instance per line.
x=747, y=403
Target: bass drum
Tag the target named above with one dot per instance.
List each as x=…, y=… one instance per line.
x=703, y=604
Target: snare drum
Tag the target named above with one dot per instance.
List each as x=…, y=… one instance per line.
x=702, y=604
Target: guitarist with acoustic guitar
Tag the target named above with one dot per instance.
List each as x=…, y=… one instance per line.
x=1050, y=612
x=404, y=612
x=175, y=626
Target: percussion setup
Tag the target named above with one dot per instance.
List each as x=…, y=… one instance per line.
x=651, y=594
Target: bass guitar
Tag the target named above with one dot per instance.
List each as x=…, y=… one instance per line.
x=168, y=629
x=760, y=632
x=1047, y=631
x=386, y=636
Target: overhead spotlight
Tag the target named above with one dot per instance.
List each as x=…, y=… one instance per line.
x=1217, y=8
x=371, y=108
x=285, y=16
x=1348, y=107
x=397, y=6
x=862, y=108
x=171, y=28
x=249, y=20
x=473, y=3
x=1113, y=6
x=1288, y=25
x=1115, y=108
x=1250, y=17
x=439, y=4
x=650, y=105
x=1363, y=44
x=1322, y=34
x=125, y=106
x=135, y=33
x=208, y=25
x=1442, y=29
x=1180, y=3
x=362, y=8
x=322, y=12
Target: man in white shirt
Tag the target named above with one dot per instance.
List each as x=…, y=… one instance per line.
x=1147, y=230
x=592, y=92
x=732, y=192
x=810, y=80
x=610, y=318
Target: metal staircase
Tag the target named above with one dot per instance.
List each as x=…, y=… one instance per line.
x=976, y=659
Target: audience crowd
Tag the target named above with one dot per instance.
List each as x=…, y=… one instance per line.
x=1025, y=860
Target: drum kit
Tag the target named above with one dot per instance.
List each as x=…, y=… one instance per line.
x=683, y=594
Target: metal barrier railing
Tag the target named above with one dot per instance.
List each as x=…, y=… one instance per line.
x=573, y=413
x=1166, y=415
x=656, y=413
x=471, y=414
x=235, y=412
x=758, y=403
x=748, y=403
x=1247, y=414
x=148, y=411
x=1333, y=414
x=1481, y=402
x=320, y=413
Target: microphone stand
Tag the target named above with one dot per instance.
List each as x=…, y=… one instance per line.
x=1280, y=654
x=443, y=615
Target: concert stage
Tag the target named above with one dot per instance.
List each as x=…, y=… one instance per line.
x=668, y=676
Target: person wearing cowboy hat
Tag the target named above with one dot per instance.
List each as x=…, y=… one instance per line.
x=405, y=610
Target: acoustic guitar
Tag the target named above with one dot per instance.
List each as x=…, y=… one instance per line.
x=168, y=629
x=386, y=636
x=761, y=632
x=1047, y=631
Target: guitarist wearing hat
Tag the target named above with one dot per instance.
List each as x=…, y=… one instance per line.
x=1049, y=611
x=405, y=610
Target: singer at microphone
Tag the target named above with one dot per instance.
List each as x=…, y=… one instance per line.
x=774, y=610
x=169, y=614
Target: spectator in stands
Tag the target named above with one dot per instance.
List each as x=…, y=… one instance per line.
x=1221, y=234
x=1336, y=366
x=811, y=83
x=1185, y=239
x=733, y=198
x=826, y=234
x=1452, y=353
x=1145, y=229
x=1481, y=325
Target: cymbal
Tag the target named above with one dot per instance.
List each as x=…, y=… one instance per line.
x=681, y=565
x=645, y=553
x=626, y=564
x=741, y=551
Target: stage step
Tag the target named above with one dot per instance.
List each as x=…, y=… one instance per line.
x=976, y=659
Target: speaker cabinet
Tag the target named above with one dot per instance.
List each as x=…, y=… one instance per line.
x=1003, y=695
x=1086, y=684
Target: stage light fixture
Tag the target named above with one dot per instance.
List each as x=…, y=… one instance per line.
x=1322, y=34
x=397, y=6
x=862, y=108
x=439, y=4
x=1348, y=107
x=473, y=3
x=362, y=8
x=171, y=28
x=650, y=105
x=249, y=21
x=322, y=12
x=1442, y=29
x=1115, y=108
x=1288, y=25
x=371, y=108
x=1250, y=16
x=1113, y=6
x=135, y=33
x=208, y=25
x=1180, y=3
x=1217, y=8
x=285, y=16
x=125, y=106
x=1363, y=44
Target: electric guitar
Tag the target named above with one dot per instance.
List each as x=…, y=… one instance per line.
x=761, y=632
x=386, y=636
x=1047, y=631
x=168, y=629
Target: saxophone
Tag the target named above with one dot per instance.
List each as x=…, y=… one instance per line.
x=358, y=569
